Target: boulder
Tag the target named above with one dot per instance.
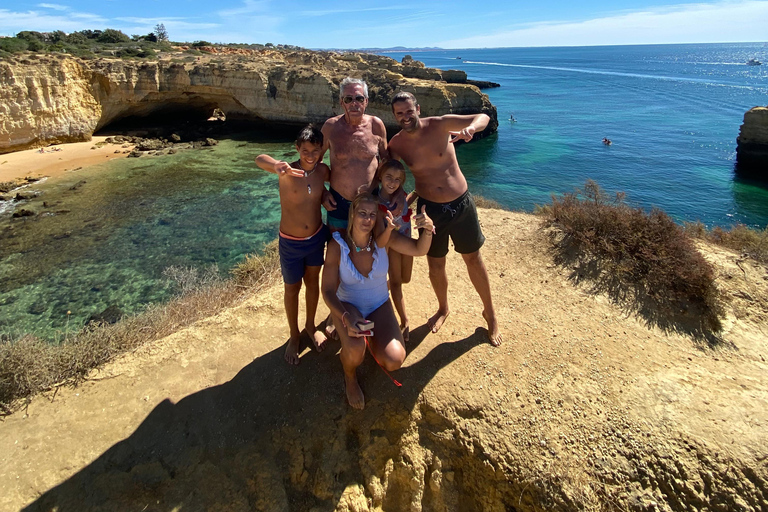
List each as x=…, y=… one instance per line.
x=752, y=144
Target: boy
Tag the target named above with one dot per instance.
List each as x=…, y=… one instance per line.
x=302, y=232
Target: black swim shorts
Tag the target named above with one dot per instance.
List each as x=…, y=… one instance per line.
x=457, y=219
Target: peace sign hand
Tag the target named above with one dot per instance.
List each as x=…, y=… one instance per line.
x=465, y=134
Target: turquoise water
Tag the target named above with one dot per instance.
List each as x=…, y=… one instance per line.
x=673, y=113
x=128, y=221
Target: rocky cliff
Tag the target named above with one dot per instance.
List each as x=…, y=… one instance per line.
x=53, y=99
x=752, y=143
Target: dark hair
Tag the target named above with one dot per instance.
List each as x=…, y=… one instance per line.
x=390, y=164
x=403, y=96
x=310, y=134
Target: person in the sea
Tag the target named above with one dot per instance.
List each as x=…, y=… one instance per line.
x=392, y=198
x=357, y=142
x=426, y=145
x=607, y=141
x=302, y=233
x=354, y=287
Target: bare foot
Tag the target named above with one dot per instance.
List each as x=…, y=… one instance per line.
x=406, y=330
x=354, y=393
x=318, y=339
x=292, y=350
x=436, y=322
x=494, y=336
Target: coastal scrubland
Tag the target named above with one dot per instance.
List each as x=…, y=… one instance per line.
x=586, y=406
x=641, y=260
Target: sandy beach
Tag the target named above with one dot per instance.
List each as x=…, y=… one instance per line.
x=57, y=159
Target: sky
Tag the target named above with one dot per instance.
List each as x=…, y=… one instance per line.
x=413, y=23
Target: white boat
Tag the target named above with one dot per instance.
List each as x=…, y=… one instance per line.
x=754, y=62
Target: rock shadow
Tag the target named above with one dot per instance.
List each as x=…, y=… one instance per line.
x=274, y=437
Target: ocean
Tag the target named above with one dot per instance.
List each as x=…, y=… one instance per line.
x=672, y=112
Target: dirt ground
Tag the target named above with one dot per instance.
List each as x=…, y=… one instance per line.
x=583, y=407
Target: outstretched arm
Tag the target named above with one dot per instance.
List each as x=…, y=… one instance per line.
x=410, y=247
x=278, y=167
x=464, y=127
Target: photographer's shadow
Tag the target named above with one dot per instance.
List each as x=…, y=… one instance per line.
x=272, y=438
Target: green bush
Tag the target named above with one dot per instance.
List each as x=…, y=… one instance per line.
x=13, y=44
x=643, y=260
x=113, y=36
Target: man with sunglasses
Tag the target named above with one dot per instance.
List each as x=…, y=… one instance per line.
x=357, y=141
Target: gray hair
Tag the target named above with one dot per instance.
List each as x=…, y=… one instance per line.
x=353, y=81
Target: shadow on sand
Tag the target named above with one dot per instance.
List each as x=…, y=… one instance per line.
x=272, y=438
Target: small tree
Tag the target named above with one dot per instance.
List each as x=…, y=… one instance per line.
x=113, y=36
x=161, y=33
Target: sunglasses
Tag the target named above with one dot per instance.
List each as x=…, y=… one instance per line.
x=350, y=99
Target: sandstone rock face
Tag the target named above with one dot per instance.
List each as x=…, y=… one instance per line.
x=44, y=102
x=752, y=143
x=53, y=100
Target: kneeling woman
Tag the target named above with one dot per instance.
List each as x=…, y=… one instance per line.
x=355, y=288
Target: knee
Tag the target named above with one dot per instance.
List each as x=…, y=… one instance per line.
x=292, y=290
x=395, y=356
x=473, y=259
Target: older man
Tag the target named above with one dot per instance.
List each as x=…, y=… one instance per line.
x=357, y=141
x=426, y=146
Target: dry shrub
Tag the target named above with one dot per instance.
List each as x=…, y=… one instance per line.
x=644, y=260
x=489, y=204
x=747, y=241
x=29, y=365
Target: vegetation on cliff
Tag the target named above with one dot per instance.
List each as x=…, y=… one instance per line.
x=108, y=43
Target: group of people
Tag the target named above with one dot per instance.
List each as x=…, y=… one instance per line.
x=369, y=245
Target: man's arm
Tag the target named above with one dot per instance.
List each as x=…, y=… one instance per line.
x=380, y=131
x=326, y=131
x=464, y=127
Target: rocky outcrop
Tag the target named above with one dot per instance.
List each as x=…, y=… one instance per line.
x=60, y=99
x=752, y=143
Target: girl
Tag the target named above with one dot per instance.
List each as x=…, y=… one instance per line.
x=392, y=198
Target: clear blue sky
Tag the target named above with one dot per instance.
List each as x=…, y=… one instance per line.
x=413, y=23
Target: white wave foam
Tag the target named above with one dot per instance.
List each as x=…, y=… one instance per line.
x=702, y=81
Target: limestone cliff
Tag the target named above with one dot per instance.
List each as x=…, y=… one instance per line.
x=60, y=99
x=752, y=143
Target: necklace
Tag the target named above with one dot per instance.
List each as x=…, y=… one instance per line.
x=307, y=174
x=367, y=247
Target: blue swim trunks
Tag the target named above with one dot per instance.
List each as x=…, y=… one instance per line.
x=339, y=217
x=296, y=254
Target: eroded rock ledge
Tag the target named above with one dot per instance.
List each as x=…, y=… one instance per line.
x=752, y=143
x=47, y=99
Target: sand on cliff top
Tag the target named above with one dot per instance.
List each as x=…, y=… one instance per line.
x=584, y=406
x=57, y=159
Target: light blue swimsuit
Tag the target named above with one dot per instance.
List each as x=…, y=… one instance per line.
x=367, y=294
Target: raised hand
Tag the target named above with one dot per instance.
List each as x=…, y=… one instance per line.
x=465, y=134
x=423, y=221
x=283, y=168
x=389, y=220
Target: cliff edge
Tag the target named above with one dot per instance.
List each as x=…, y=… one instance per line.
x=583, y=407
x=752, y=144
x=54, y=99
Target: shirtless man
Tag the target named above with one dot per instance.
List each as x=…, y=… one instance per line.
x=357, y=141
x=426, y=147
